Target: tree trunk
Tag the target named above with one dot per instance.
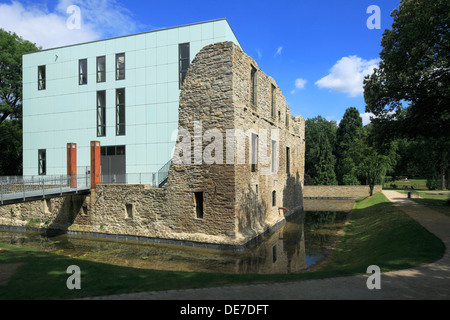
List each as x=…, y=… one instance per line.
x=443, y=180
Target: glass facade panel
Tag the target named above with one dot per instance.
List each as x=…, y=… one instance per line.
x=101, y=114
x=120, y=66
x=184, y=61
x=82, y=70
x=41, y=78
x=101, y=69
x=120, y=112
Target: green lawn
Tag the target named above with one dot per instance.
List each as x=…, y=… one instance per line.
x=417, y=184
x=377, y=233
x=435, y=201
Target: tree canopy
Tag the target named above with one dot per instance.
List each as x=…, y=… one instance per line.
x=410, y=90
x=12, y=47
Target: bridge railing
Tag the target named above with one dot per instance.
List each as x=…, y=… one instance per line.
x=28, y=186
x=154, y=179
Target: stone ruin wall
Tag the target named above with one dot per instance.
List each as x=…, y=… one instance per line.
x=254, y=208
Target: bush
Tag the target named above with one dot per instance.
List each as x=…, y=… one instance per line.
x=432, y=184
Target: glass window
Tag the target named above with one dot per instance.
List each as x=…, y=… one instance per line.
x=120, y=66
x=184, y=60
x=120, y=112
x=42, y=166
x=253, y=86
x=101, y=69
x=41, y=78
x=82, y=70
x=101, y=114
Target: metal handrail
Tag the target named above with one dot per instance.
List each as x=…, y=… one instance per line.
x=32, y=186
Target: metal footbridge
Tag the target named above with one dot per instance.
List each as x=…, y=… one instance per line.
x=14, y=189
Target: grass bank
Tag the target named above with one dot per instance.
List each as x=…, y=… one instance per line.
x=377, y=233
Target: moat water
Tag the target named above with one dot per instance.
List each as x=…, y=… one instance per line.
x=302, y=241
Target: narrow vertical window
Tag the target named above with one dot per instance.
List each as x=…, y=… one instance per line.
x=82, y=71
x=288, y=160
x=184, y=60
x=42, y=165
x=273, y=101
x=198, y=202
x=274, y=198
x=120, y=66
x=274, y=156
x=287, y=118
x=101, y=69
x=128, y=211
x=41, y=78
x=101, y=114
x=253, y=87
x=120, y=112
x=254, y=155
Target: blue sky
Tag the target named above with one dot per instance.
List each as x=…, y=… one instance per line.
x=317, y=51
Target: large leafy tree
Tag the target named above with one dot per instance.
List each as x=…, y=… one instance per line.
x=410, y=91
x=11, y=147
x=372, y=161
x=12, y=47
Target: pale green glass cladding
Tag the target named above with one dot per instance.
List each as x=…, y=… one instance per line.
x=66, y=111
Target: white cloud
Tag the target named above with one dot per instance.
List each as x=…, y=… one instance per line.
x=366, y=117
x=347, y=75
x=299, y=85
x=278, y=53
x=36, y=23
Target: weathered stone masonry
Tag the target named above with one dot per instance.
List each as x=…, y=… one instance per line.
x=227, y=202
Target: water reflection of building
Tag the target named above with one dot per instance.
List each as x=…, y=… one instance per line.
x=283, y=251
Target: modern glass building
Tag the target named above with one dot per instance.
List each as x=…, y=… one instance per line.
x=122, y=92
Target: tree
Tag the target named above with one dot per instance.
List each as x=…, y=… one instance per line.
x=409, y=93
x=12, y=47
x=324, y=168
x=317, y=130
x=11, y=147
x=348, y=129
x=411, y=88
x=372, y=161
